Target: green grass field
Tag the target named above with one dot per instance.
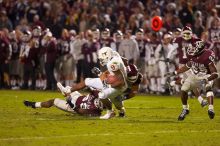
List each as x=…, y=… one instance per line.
x=150, y=120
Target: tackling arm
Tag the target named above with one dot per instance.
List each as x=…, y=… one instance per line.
x=213, y=70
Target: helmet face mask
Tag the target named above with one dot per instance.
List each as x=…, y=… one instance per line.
x=105, y=55
x=186, y=33
x=187, y=36
x=196, y=48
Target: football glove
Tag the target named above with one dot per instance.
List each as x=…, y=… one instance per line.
x=96, y=71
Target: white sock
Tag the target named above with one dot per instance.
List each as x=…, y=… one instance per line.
x=186, y=106
x=200, y=99
x=38, y=104
x=211, y=107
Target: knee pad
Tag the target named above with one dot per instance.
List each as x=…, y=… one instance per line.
x=209, y=93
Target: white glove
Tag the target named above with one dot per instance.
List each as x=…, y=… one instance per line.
x=64, y=90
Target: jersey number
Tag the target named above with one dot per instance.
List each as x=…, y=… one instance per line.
x=184, y=52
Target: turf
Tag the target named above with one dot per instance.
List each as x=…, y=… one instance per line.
x=150, y=120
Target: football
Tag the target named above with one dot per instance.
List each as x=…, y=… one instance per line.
x=111, y=79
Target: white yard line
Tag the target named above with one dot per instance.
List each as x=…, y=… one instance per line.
x=66, y=136
x=105, y=134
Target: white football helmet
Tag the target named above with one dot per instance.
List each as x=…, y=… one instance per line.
x=105, y=54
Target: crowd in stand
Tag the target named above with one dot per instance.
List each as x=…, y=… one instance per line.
x=45, y=41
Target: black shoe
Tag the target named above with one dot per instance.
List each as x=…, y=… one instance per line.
x=29, y=104
x=121, y=114
x=204, y=103
x=183, y=114
x=211, y=113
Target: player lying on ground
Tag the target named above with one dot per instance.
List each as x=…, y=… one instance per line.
x=86, y=105
x=202, y=64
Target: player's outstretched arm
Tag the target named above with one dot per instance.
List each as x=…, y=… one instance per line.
x=213, y=70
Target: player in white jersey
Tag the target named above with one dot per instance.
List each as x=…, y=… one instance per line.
x=116, y=67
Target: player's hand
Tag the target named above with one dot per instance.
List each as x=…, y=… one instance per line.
x=204, y=81
x=96, y=71
x=170, y=74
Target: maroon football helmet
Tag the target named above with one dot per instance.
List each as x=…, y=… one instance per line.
x=132, y=73
x=198, y=47
x=186, y=33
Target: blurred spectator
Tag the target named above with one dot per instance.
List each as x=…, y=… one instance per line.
x=50, y=45
x=4, y=58
x=129, y=48
x=14, y=64
x=66, y=58
x=4, y=21
x=89, y=51
x=37, y=22
x=33, y=10
x=186, y=14
x=72, y=24
x=23, y=25
x=211, y=17
x=198, y=27
x=78, y=56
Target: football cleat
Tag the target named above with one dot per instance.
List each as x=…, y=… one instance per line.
x=29, y=104
x=108, y=115
x=121, y=113
x=64, y=90
x=211, y=113
x=183, y=114
x=204, y=103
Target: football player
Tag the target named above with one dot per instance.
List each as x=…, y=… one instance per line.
x=28, y=55
x=86, y=105
x=142, y=44
x=202, y=65
x=180, y=46
x=106, y=40
x=115, y=66
x=14, y=64
x=152, y=64
x=161, y=54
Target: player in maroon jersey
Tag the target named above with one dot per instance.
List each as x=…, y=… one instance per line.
x=86, y=105
x=202, y=65
x=14, y=64
x=28, y=55
x=180, y=46
x=50, y=50
x=106, y=40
